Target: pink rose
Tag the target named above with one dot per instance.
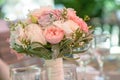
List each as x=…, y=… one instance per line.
x=53, y=34
x=48, y=17
x=72, y=16
x=81, y=23
x=45, y=20
x=57, y=13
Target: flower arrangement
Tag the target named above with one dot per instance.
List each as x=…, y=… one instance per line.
x=50, y=33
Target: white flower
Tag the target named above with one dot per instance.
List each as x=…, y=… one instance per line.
x=34, y=33
x=17, y=35
x=38, y=12
x=68, y=26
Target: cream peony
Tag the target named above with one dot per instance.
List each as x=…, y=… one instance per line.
x=69, y=26
x=17, y=35
x=34, y=33
x=38, y=12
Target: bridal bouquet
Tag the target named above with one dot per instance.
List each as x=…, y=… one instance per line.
x=50, y=33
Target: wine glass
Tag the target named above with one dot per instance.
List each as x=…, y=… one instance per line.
x=84, y=58
x=83, y=61
x=101, y=49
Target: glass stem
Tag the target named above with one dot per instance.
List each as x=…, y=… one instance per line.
x=83, y=64
x=101, y=64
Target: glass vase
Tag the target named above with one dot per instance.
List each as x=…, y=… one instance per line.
x=26, y=69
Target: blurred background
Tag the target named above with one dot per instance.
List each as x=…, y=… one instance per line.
x=104, y=17
x=104, y=14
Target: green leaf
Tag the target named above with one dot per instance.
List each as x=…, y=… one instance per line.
x=40, y=52
x=66, y=42
x=37, y=49
x=19, y=48
x=65, y=47
x=36, y=45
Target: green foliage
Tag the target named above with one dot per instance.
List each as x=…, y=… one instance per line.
x=92, y=8
x=1, y=15
x=2, y=2
x=19, y=48
x=39, y=51
x=81, y=38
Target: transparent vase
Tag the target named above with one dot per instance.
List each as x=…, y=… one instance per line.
x=26, y=69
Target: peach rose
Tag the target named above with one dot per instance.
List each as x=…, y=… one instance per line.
x=53, y=34
x=34, y=33
x=69, y=26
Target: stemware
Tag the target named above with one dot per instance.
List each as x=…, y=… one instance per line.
x=84, y=59
x=101, y=49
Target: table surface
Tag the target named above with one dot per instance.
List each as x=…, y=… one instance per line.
x=92, y=76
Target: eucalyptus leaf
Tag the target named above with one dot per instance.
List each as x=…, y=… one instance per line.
x=65, y=43
x=41, y=52
x=19, y=48
x=35, y=45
